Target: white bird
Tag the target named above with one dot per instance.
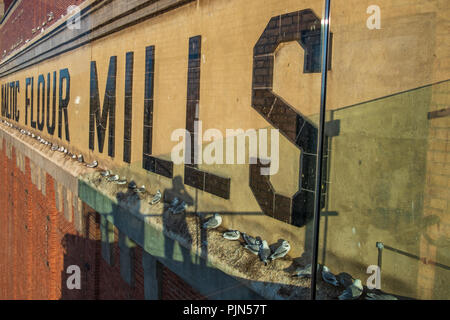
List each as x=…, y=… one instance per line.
x=121, y=181
x=213, y=222
x=93, y=164
x=380, y=296
x=54, y=147
x=80, y=158
x=156, y=198
x=74, y=156
x=281, y=251
x=264, y=252
x=328, y=277
x=113, y=178
x=106, y=173
x=232, y=234
x=353, y=291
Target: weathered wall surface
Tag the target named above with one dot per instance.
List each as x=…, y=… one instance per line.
x=381, y=183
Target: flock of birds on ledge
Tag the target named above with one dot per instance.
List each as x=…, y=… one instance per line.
x=353, y=287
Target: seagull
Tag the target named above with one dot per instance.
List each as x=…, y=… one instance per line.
x=328, y=277
x=106, y=173
x=180, y=208
x=252, y=244
x=132, y=185
x=54, y=147
x=93, y=164
x=303, y=272
x=65, y=150
x=121, y=182
x=264, y=252
x=80, y=158
x=74, y=156
x=344, y=279
x=232, y=234
x=380, y=296
x=281, y=251
x=113, y=178
x=156, y=198
x=213, y=222
x=353, y=291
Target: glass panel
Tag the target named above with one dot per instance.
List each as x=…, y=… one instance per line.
x=386, y=217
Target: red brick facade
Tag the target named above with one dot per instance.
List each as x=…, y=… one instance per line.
x=18, y=26
x=37, y=244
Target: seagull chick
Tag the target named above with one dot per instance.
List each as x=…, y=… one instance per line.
x=328, y=277
x=281, y=251
x=156, y=198
x=353, y=291
x=232, y=234
x=213, y=222
x=264, y=252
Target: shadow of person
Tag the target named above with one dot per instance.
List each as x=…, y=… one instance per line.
x=176, y=223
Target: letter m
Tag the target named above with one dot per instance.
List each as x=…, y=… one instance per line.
x=99, y=118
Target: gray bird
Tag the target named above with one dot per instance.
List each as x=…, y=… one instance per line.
x=328, y=277
x=180, y=208
x=54, y=147
x=281, y=251
x=93, y=164
x=156, y=198
x=345, y=279
x=213, y=222
x=303, y=272
x=251, y=243
x=232, y=234
x=353, y=291
x=264, y=252
x=380, y=296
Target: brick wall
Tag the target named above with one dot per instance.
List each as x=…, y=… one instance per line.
x=38, y=244
x=28, y=15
